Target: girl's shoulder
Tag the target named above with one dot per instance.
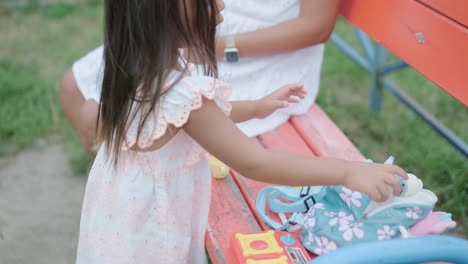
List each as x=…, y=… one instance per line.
x=175, y=106
x=188, y=93
x=200, y=85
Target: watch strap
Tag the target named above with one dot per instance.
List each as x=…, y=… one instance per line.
x=230, y=42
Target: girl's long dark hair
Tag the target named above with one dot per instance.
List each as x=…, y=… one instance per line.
x=142, y=39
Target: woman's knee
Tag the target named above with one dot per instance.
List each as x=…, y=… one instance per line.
x=68, y=89
x=81, y=114
x=70, y=97
x=87, y=124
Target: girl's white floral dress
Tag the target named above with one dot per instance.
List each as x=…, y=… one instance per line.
x=153, y=207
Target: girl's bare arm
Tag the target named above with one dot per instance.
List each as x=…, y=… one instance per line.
x=212, y=129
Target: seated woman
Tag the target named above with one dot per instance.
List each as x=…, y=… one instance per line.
x=268, y=45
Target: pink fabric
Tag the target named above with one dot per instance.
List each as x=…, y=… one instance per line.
x=433, y=224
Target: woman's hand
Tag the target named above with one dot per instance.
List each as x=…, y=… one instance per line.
x=290, y=93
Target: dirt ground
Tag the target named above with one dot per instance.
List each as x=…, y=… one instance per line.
x=40, y=203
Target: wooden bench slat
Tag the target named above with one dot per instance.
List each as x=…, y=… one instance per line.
x=250, y=189
x=323, y=136
x=285, y=138
x=399, y=25
x=229, y=214
x=456, y=10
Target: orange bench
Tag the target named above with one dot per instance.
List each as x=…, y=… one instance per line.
x=430, y=35
x=438, y=53
x=233, y=198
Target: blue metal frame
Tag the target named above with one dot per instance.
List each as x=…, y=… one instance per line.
x=375, y=62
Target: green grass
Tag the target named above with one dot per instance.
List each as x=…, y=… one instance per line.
x=39, y=42
x=26, y=109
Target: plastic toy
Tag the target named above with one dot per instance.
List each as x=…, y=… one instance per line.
x=219, y=170
x=401, y=250
x=433, y=224
x=272, y=247
x=411, y=186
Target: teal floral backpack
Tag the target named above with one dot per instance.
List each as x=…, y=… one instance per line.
x=335, y=216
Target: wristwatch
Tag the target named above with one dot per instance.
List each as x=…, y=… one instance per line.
x=231, y=54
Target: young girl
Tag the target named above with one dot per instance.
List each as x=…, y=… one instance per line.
x=148, y=192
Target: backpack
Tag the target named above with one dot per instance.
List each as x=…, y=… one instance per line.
x=335, y=216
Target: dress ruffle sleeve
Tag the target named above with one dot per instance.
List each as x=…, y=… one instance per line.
x=174, y=108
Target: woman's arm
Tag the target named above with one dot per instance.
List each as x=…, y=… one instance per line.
x=213, y=130
x=313, y=26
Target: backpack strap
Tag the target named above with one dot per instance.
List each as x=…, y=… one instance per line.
x=283, y=199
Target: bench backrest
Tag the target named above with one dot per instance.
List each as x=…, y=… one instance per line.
x=429, y=35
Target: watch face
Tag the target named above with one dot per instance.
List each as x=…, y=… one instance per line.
x=231, y=55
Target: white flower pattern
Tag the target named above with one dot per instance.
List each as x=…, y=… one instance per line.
x=341, y=219
x=330, y=214
x=413, y=213
x=351, y=230
x=385, y=233
x=310, y=237
x=351, y=197
x=324, y=245
x=311, y=211
x=309, y=222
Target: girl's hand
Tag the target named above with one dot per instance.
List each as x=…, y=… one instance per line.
x=374, y=179
x=290, y=93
